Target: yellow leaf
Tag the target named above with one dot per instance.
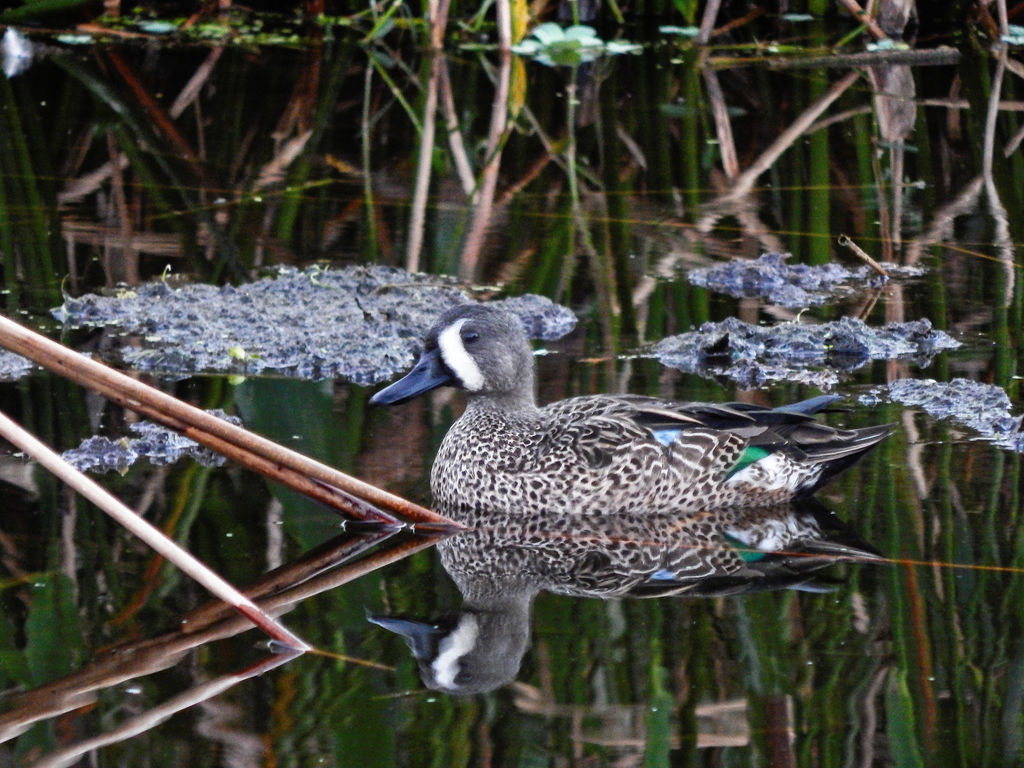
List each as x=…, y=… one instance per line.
x=516, y=87
x=520, y=11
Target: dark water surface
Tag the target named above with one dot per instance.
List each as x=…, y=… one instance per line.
x=610, y=183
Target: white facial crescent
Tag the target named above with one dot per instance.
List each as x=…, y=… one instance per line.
x=452, y=649
x=455, y=356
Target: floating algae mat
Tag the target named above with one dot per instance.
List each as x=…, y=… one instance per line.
x=815, y=354
x=13, y=367
x=159, y=444
x=363, y=324
x=985, y=408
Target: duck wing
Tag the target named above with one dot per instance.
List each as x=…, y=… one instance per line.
x=716, y=440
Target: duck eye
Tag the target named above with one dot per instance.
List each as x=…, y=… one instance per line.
x=468, y=337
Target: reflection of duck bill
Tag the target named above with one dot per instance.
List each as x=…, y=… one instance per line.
x=422, y=637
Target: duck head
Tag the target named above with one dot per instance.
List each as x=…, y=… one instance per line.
x=477, y=348
x=477, y=651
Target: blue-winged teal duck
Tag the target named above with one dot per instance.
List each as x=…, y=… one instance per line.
x=603, y=454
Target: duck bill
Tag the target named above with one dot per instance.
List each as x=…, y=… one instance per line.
x=421, y=636
x=430, y=373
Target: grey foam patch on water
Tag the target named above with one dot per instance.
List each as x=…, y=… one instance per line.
x=363, y=324
x=754, y=355
x=791, y=285
x=542, y=318
x=13, y=367
x=156, y=443
x=984, y=408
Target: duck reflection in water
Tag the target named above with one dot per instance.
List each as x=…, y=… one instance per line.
x=506, y=559
x=604, y=495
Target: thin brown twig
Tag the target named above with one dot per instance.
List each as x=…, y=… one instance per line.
x=741, y=184
x=317, y=572
x=846, y=242
x=746, y=18
x=47, y=458
x=158, y=115
x=457, y=147
x=708, y=21
x=483, y=199
x=421, y=187
x=865, y=18
x=723, y=128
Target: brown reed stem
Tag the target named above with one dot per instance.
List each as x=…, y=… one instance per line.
x=326, y=484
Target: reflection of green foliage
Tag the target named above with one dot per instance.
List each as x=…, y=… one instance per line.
x=659, y=724
x=53, y=638
x=27, y=231
x=687, y=9
x=899, y=707
x=283, y=408
x=232, y=28
x=14, y=668
x=53, y=645
x=33, y=9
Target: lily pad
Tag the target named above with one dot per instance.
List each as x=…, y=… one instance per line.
x=1015, y=35
x=552, y=45
x=670, y=29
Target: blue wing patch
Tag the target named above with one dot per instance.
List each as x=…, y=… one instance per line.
x=667, y=436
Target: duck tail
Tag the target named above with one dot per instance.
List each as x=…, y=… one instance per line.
x=811, y=405
x=837, y=456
